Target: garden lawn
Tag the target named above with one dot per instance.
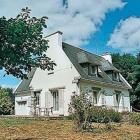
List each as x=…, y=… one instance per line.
x=44, y=129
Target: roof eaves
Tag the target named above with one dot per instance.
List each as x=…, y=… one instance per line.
x=106, y=84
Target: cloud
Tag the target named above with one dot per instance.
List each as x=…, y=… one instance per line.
x=8, y=86
x=126, y=35
x=77, y=20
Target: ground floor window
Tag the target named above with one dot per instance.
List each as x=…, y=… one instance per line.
x=95, y=97
x=117, y=97
x=37, y=97
x=55, y=100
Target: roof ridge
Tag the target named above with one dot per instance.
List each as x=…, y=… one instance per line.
x=84, y=50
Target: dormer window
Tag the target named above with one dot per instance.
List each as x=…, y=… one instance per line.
x=115, y=76
x=89, y=69
x=92, y=70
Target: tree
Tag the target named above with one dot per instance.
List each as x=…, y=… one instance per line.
x=125, y=63
x=138, y=58
x=6, y=101
x=129, y=66
x=136, y=86
x=22, y=45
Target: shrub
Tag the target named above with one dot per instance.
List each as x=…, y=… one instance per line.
x=134, y=118
x=104, y=115
x=84, y=113
x=80, y=109
x=6, y=101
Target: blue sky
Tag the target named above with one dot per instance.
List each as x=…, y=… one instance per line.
x=98, y=26
x=99, y=40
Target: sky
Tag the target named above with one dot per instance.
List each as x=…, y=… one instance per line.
x=98, y=26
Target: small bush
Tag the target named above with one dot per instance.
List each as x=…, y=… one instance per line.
x=80, y=109
x=104, y=115
x=134, y=118
x=84, y=113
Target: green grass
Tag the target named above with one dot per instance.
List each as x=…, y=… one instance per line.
x=15, y=121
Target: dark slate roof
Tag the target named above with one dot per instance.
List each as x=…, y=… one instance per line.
x=77, y=56
x=23, y=88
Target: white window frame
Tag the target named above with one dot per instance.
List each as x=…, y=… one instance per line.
x=37, y=96
x=55, y=95
x=95, y=99
x=92, y=70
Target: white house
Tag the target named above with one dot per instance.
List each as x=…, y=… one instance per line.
x=77, y=71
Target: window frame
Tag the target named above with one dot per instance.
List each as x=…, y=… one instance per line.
x=37, y=97
x=91, y=72
x=55, y=96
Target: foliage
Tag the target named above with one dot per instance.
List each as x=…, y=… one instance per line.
x=81, y=110
x=104, y=115
x=129, y=65
x=85, y=113
x=136, y=86
x=138, y=58
x=6, y=101
x=134, y=118
x=125, y=63
x=22, y=45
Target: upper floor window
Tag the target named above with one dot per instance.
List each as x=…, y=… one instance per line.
x=85, y=67
x=92, y=70
x=115, y=76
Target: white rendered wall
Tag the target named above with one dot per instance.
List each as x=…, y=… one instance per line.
x=22, y=109
x=109, y=91
x=63, y=76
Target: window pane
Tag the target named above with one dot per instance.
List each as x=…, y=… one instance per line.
x=55, y=100
x=95, y=98
x=37, y=97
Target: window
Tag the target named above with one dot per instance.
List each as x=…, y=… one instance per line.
x=115, y=76
x=85, y=67
x=37, y=97
x=95, y=97
x=55, y=100
x=117, y=97
x=92, y=70
x=103, y=99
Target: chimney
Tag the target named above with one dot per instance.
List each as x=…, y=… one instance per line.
x=107, y=56
x=55, y=38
